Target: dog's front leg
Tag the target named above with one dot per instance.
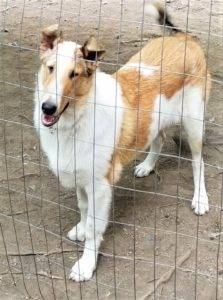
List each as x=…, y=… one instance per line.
x=99, y=201
x=77, y=233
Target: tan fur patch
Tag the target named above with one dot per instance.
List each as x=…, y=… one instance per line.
x=76, y=90
x=140, y=92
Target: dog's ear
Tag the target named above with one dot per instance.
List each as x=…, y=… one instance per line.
x=50, y=35
x=92, y=52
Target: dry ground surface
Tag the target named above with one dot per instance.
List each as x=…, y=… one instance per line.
x=148, y=230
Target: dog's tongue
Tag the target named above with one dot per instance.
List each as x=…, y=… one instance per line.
x=48, y=120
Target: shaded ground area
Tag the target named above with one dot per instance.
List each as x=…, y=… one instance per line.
x=150, y=229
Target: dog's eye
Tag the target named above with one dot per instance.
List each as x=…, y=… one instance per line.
x=73, y=74
x=50, y=68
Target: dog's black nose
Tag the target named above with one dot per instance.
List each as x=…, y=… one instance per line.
x=49, y=108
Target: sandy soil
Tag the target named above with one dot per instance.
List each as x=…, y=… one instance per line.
x=150, y=230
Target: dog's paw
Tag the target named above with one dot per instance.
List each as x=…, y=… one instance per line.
x=200, y=204
x=82, y=270
x=142, y=170
x=77, y=233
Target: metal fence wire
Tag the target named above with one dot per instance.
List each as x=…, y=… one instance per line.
x=155, y=247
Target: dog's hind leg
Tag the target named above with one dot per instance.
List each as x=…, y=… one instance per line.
x=78, y=231
x=148, y=165
x=194, y=126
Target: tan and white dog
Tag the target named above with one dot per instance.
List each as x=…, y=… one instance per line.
x=91, y=124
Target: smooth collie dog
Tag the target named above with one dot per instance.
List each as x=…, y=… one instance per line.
x=91, y=124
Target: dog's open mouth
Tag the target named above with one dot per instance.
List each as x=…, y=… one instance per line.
x=48, y=120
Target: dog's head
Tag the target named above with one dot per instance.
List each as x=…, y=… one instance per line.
x=66, y=73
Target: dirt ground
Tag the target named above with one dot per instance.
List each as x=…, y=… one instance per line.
x=148, y=229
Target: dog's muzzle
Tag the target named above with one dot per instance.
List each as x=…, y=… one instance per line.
x=49, y=116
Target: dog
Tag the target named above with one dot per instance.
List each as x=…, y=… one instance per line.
x=91, y=124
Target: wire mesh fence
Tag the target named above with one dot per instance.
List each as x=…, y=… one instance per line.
x=155, y=246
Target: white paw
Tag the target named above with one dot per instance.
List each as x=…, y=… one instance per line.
x=82, y=270
x=77, y=233
x=143, y=170
x=200, y=204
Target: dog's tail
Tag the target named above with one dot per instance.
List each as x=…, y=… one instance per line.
x=155, y=9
